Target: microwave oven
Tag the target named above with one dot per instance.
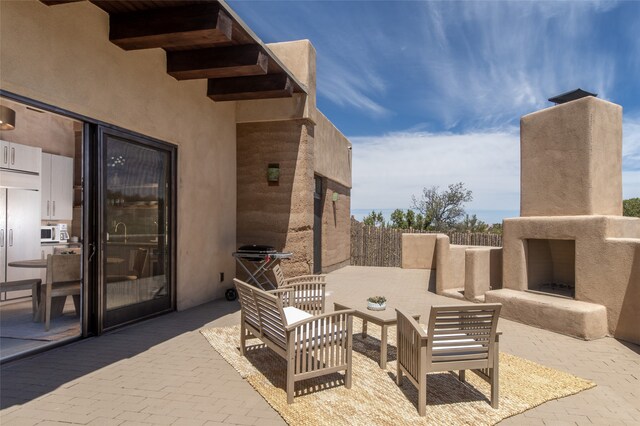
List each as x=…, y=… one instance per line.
x=54, y=233
x=48, y=234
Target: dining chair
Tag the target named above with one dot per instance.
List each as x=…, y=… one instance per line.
x=64, y=277
x=140, y=257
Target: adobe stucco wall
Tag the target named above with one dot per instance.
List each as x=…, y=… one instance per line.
x=571, y=159
x=52, y=133
x=336, y=226
x=277, y=215
x=62, y=56
x=295, y=135
x=332, y=152
x=332, y=160
x=607, y=262
x=419, y=251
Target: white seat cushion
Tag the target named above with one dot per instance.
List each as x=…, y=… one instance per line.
x=461, y=340
x=292, y=314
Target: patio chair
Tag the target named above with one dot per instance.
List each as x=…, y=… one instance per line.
x=307, y=296
x=63, y=279
x=312, y=345
x=457, y=338
x=281, y=281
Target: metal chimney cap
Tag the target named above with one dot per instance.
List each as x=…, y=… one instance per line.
x=571, y=96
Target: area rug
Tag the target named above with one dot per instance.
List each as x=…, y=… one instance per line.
x=374, y=397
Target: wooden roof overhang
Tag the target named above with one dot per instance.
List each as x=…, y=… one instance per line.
x=203, y=39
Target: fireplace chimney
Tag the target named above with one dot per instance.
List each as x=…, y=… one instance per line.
x=571, y=158
x=571, y=96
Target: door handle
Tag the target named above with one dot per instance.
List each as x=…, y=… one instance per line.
x=54, y=208
x=48, y=207
x=1, y=237
x=6, y=154
x=10, y=237
x=13, y=156
x=93, y=251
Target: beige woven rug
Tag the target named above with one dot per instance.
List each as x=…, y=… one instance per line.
x=375, y=399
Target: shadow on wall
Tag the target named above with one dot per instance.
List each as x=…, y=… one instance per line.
x=276, y=214
x=628, y=327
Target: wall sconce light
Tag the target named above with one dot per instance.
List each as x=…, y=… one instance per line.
x=7, y=118
x=273, y=172
x=335, y=197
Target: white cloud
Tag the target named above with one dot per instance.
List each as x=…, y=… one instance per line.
x=388, y=169
x=343, y=86
x=489, y=62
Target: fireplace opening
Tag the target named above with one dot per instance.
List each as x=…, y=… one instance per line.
x=551, y=267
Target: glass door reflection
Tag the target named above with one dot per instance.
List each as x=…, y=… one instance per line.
x=136, y=206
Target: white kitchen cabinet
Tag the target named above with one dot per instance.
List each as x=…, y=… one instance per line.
x=57, y=187
x=14, y=156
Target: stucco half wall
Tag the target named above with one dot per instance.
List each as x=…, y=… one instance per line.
x=62, y=56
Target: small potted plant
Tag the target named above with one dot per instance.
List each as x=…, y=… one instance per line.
x=377, y=303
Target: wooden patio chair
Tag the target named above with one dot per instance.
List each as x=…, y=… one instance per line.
x=281, y=281
x=312, y=345
x=307, y=296
x=457, y=338
x=64, y=276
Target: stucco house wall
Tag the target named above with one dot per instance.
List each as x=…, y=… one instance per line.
x=332, y=160
x=279, y=215
x=303, y=142
x=62, y=56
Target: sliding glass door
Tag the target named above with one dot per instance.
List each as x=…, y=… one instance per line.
x=136, y=240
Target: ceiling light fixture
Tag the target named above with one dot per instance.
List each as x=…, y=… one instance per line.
x=7, y=118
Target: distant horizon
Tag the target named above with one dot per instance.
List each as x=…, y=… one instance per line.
x=490, y=217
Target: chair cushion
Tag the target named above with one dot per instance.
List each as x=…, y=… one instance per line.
x=463, y=339
x=292, y=314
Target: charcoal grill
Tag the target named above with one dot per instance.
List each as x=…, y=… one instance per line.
x=256, y=260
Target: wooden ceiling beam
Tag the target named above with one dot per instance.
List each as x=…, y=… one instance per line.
x=217, y=62
x=246, y=88
x=57, y=2
x=203, y=24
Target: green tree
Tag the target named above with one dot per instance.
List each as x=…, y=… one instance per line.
x=496, y=228
x=398, y=219
x=442, y=209
x=631, y=207
x=472, y=224
x=411, y=219
x=374, y=219
x=419, y=223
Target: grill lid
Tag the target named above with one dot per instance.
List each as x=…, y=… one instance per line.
x=256, y=248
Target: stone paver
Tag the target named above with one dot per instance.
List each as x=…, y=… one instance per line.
x=163, y=371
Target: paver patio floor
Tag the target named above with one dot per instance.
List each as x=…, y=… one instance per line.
x=162, y=371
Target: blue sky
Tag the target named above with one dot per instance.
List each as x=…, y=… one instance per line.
x=431, y=93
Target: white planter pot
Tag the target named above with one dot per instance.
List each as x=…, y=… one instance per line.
x=376, y=307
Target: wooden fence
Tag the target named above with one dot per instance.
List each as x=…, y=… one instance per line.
x=375, y=246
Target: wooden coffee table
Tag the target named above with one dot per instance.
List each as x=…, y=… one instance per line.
x=384, y=319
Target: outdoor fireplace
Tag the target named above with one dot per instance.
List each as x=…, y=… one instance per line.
x=551, y=266
x=571, y=262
